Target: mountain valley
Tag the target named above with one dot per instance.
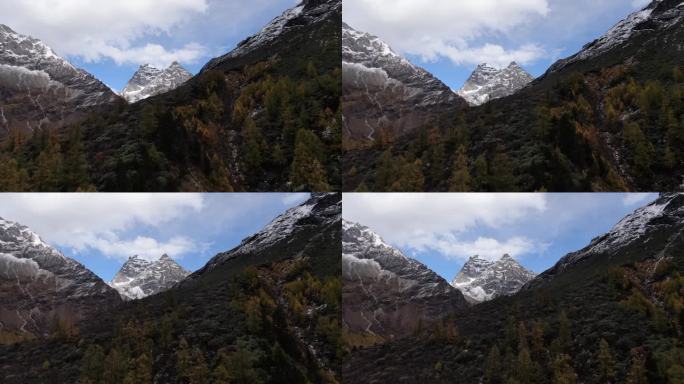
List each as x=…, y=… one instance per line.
x=610, y=312
x=266, y=311
x=264, y=117
x=605, y=119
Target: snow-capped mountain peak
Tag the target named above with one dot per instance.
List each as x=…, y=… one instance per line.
x=304, y=14
x=658, y=15
x=364, y=235
x=487, y=83
x=644, y=229
x=150, y=81
x=140, y=278
x=321, y=210
x=51, y=89
x=20, y=236
x=385, y=91
x=665, y=210
x=387, y=293
x=481, y=280
x=37, y=281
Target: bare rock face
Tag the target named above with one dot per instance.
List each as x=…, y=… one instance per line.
x=41, y=288
x=387, y=294
x=481, y=280
x=384, y=91
x=489, y=83
x=149, y=81
x=139, y=278
x=40, y=89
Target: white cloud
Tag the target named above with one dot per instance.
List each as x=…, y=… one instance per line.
x=145, y=247
x=493, y=54
x=486, y=247
x=631, y=199
x=94, y=30
x=99, y=221
x=437, y=221
x=448, y=28
x=155, y=54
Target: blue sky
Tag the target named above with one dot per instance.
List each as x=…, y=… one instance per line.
x=444, y=230
x=102, y=230
x=450, y=37
x=112, y=39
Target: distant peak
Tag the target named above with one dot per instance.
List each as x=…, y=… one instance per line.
x=506, y=257
x=5, y=28
x=134, y=257
x=475, y=257
x=165, y=257
x=513, y=64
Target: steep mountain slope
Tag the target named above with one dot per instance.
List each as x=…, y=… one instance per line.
x=488, y=83
x=481, y=280
x=265, y=117
x=383, y=93
x=387, y=295
x=149, y=81
x=650, y=232
x=605, y=119
x=41, y=290
x=140, y=278
x=608, y=313
x=39, y=89
x=299, y=225
x=269, y=314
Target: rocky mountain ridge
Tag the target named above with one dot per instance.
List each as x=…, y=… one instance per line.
x=659, y=15
x=304, y=15
x=487, y=83
x=40, y=288
x=150, y=81
x=139, y=278
x=39, y=89
x=321, y=210
x=657, y=222
x=387, y=294
x=481, y=280
x=383, y=91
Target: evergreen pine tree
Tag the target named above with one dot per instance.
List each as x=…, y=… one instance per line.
x=140, y=372
x=48, y=173
x=254, y=146
x=480, y=174
x=501, y=172
x=563, y=373
x=606, y=362
x=75, y=164
x=307, y=171
x=637, y=371
x=115, y=366
x=564, y=337
x=240, y=368
x=92, y=365
x=460, y=176
x=492, y=368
